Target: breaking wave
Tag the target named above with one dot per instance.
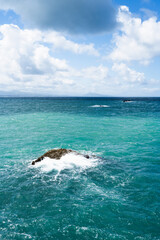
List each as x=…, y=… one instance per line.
x=99, y=106
x=68, y=161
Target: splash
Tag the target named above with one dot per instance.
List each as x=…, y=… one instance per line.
x=69, y=161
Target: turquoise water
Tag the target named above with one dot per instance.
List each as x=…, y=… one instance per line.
x=115, y=195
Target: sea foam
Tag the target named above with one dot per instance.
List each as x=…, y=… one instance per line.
x=68, y=161
x=99, y=106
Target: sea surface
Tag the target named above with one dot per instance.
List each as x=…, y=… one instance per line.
x=113, y=195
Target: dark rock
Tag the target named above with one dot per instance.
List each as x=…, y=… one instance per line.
x=56, y=154
x=126, y=100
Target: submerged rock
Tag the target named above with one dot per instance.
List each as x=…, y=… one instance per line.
x=56, y=154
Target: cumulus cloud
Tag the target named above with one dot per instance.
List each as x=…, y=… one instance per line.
x=24, y=62
x=73, y=16
x=59, y=41
x=137, y=40
x=128, y=75
x=97, y=73
x=27, y=64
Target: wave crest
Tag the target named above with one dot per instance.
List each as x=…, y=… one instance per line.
x=99, y=106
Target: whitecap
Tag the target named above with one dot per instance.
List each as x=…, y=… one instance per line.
x=99, y=106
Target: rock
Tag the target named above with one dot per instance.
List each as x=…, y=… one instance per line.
x=56, y=154
x=126, y=100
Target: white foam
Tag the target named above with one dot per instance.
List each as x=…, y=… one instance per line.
x=99, y=106
x=68, y=161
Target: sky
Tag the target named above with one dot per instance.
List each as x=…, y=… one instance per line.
x=80, y=48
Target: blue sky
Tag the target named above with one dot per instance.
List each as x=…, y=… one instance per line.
x=80, y=48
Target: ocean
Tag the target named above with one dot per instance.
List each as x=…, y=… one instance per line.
x=115, y=194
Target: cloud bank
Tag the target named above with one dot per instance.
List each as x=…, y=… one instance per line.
x=72, y=16
x=28, y=66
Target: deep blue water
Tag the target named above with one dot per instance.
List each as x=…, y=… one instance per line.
x=113, y=195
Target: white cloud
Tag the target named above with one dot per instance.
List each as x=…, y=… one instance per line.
x=22, y=54
x=96, y=73
x=61, y=42
x=128, y=75
x=27, y=63
x=137, y=40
